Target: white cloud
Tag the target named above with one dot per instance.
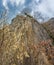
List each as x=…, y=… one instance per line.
x=5, y=4
x=17, y=2
x=13, y=2
x=45, y=7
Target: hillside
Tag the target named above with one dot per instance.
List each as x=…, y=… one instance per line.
x=49, y=26
x=25, y=42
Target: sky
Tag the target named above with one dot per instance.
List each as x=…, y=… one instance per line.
x=41, y=9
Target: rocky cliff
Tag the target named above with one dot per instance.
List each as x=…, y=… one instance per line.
x=20, y=43
x=49, y=26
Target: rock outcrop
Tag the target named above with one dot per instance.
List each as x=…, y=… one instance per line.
x=19, y=43
x=49, y=26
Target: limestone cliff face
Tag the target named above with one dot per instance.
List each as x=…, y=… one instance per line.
x=30, y=28
x=17, y=42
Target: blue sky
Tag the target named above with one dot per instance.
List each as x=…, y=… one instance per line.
x=14, y=7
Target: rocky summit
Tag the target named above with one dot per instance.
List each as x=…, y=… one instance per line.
x=23, y=43
x=30, y=28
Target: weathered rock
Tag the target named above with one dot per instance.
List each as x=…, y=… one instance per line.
x=30, y=27
x=22, y=32
x=49, y=26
